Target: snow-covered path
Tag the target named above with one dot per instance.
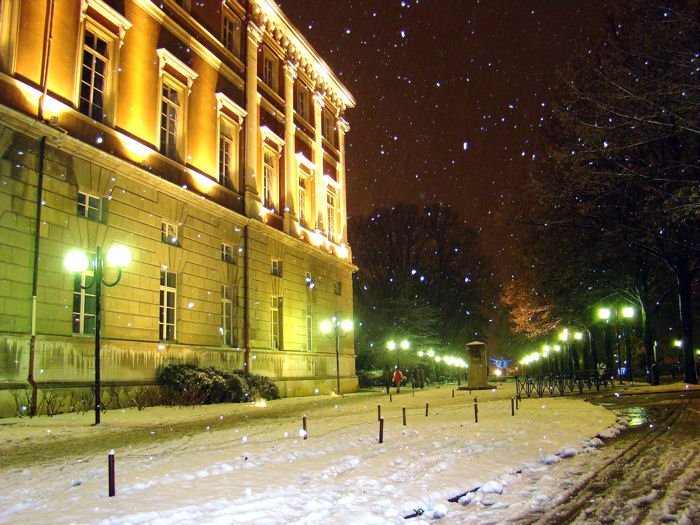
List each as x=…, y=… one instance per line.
x=262, y=471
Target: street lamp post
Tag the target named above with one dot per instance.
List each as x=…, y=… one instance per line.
x=627, y=313
x=604, y=314
x=578, y=336
x=337, y=329
x=76, y=261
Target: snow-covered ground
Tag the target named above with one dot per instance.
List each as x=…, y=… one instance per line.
x=257, y=468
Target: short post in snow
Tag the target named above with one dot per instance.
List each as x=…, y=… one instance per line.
x=381, y=430
x=303, y=426
x=426, y=410
x=517, y=398
x=404, y=415
x=453, y=393
x=476, y=411
x=390, y=398
x=110, y=473
x=379, y=412
x=512, y=406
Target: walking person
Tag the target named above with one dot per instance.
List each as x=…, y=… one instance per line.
x=398, y=378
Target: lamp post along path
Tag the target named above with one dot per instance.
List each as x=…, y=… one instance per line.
x=337, y=329
x=77, y=262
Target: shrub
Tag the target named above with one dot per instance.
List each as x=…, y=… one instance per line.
x=187, y=384
x=370, y=378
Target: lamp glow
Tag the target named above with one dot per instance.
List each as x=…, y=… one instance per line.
x=404, y=344
x=628, y=312
x=604, y=314
x=326, y=327
x=119, y=256
x=346, y=325
x=578, y=336
x=76, y=261
x=391, y=345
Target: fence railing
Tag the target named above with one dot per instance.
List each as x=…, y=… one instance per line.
x=560, y=384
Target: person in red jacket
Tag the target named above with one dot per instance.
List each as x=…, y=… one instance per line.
x=398, y=378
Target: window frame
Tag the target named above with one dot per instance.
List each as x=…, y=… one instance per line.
x=270, y=76
x=82, y=293
x=165, y=291
x=227, y=314
x=270, y=186
x=309, y=328
x=169, y=65
x=166, y=230
x=231, y=114
x=86, y=205
x=328, y=127
x=237, y=45
x=227, y=253
x=276, y=267
x=276, y=323
x=302, y=101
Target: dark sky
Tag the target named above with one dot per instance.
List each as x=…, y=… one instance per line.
x=450, y=94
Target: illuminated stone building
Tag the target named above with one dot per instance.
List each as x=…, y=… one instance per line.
x=208, y=137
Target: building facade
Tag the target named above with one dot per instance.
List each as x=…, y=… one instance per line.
x=209, y=138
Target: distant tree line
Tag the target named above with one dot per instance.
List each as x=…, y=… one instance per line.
x=421, y=278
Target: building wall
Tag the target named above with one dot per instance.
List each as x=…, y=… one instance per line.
x=118, y=160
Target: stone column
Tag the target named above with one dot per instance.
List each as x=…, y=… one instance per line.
x=343, y=128
x=290, y=176
x=319, y=193
x=252, y=181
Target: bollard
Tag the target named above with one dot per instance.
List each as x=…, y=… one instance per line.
x=426, y=410
x=110, y=469
x=517, y=398
x=404, y=415
x=379, y=412
x=476, y=411
x=390, y=398
x=512, y=407
x=453, y=393
x=303, y=425
x=381, y=430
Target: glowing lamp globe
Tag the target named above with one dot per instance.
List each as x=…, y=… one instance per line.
x=119, y=256
x=404, y=344
x=326, y=327
x=431, y=353
x=578, y=336
x=628, y=312
x=76, y=261
x=346, y=325
x=604, y=314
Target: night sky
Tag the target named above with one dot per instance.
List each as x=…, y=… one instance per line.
x=450, y=95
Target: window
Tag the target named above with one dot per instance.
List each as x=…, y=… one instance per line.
x=302, y=202
x=231, y=34
x=337, y=287
x=169, y=121
x=168, y=297
x=276, y=311
x=328, y=127
x=227, y=253
x=270, y=173
x=93, y=77
x=276, y=268
x=173, y=103
x=230, y=117
x=89, y=206
x=168, y=233
x=330, y=214
x=228, y=152
x=226, y=314
x=309, y=328
x=302, y=101
x=84, y=302
x=270, y=71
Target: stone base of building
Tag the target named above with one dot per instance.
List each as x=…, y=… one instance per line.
x=64, y=370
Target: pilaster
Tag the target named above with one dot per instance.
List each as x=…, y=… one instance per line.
x=319, y=190
x=343, y=128
x=290, y=179
x=252, y=192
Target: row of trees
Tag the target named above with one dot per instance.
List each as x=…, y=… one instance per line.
x=613, y=208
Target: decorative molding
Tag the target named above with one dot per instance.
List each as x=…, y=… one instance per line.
x=222, y=101
x=330, y=181
x=166, y=58
x=254, y=33
x=303, y=161
x=101, y=8
x=268, y=134
x=342, y=125
x=290, y=70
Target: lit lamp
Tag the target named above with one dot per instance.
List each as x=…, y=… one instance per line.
x=605, y=314
x=627, y=314
x=335, y=328
x=564, y=337
x=578, y=337
x=404, y=345
x=77, y=262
